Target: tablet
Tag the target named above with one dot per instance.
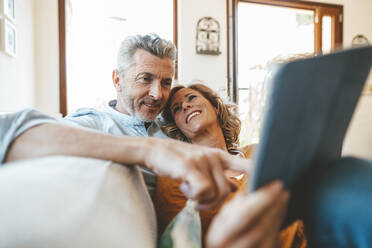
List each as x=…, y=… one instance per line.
x=308, y=109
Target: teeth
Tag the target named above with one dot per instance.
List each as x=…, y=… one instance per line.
x=192, y=115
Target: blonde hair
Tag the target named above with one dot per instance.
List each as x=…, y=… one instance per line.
x=228, y=120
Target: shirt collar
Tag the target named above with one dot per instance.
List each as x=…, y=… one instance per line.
x=121, y=116
x=153, y=129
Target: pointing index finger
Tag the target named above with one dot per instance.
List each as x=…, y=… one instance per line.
x=237, y=163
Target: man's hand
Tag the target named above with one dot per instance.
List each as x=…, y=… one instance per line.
x=201, y=169
x=251, y=220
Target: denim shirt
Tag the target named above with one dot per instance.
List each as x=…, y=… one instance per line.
x=114, y=122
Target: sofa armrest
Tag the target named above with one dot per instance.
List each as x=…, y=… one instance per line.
x=74, y=202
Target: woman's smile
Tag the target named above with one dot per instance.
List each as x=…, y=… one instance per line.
x=192, y=115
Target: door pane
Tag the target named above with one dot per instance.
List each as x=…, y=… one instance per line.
x=266, y=33
x=326, y=34
x=94, y=32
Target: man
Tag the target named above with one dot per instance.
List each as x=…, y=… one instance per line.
x=142, y=79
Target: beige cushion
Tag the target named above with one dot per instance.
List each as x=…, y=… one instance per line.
x=74, y=202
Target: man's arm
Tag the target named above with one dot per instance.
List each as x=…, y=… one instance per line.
x=57, y=139
x=199, y=168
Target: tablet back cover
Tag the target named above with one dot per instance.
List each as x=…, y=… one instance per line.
x=309, y=108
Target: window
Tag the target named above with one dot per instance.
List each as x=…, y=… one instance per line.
x=263, y=31
x=90, y=35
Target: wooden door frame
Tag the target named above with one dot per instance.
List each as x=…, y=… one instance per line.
x=320, y=9
x=62, y=51
x=62, y=57
x=337, y=26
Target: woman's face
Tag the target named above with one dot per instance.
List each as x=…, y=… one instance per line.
x=192, y=112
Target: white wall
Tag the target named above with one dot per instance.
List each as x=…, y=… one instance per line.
x=17, y=83
x=47, y=56
x=31, y=78
x=209, y=68
x=358, y=141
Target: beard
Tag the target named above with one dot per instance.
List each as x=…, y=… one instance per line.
x=138, y=109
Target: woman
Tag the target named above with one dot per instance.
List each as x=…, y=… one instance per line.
x=196, y=114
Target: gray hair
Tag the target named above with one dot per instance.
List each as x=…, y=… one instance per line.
x=151, y=43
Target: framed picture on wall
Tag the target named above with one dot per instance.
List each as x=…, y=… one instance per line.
x=8, y=9
x=8, y=38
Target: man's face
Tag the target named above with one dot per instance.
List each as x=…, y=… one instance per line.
x=145, y=87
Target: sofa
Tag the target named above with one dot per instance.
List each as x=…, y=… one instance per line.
x=62, y=201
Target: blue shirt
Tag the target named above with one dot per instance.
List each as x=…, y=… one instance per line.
x=14, y=124
x=114, y=122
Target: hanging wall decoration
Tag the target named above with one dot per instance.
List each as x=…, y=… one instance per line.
x=208, y=36
x=8, y=38
x=359, y=40
x=8, y=9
